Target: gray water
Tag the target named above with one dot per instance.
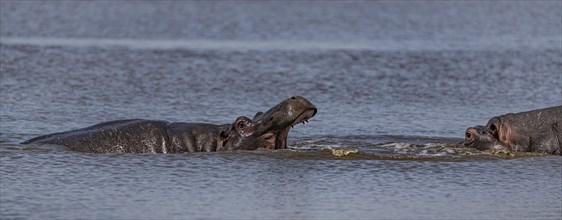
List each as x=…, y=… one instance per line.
x=395, y=83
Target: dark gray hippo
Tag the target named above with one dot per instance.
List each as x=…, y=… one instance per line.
x=533, y=131
x=266, y=130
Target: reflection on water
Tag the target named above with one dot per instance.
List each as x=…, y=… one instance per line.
x=273, y=184
x=245, y=45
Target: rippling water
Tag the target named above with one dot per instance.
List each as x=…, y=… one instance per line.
x=396, y=85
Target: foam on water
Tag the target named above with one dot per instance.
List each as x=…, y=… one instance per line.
x=445, y=151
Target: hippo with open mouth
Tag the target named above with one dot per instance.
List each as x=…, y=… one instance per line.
x=266, y=130
x=533, y=131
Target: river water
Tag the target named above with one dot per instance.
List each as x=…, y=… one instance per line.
x=395, y=83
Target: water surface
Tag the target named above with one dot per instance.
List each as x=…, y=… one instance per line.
x=396, y=85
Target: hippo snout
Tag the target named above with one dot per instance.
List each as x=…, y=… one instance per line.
x=478, y=138
x=303, y=103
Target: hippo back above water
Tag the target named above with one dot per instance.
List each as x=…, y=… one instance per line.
x=533, y=131
x=265, y=130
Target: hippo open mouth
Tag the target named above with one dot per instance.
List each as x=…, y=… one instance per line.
x=278, y=139
x=273, y=126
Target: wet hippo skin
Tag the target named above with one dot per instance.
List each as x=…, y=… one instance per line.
x=265, y=130
x=532, y=131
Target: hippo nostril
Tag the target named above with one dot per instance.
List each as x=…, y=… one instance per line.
x=468, y=135
x=294, y=97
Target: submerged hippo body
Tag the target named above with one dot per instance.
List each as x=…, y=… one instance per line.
x=267, y=130
x=533, y=131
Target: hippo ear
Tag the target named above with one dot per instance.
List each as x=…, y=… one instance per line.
x=244, y=126
x=493, y=127
x=225, y=135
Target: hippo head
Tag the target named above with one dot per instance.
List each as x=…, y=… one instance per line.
x=477, y=137
x=497, y=134
x=270, y=129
